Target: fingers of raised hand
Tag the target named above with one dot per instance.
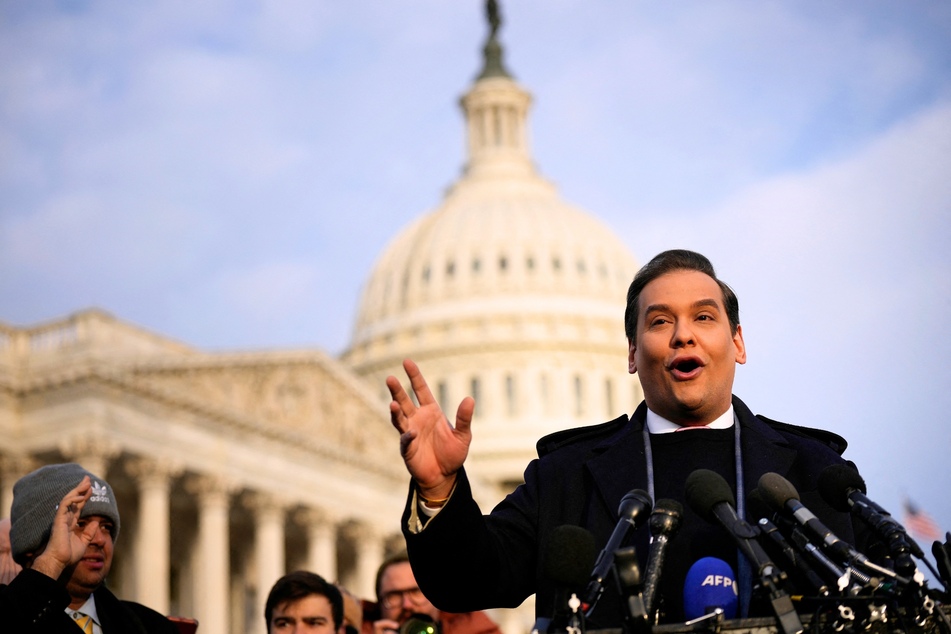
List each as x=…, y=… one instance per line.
x=464, y=414
x=394, y=386
x=402, y=406
x=397, y=418
x=423, y=394
x=74, y=501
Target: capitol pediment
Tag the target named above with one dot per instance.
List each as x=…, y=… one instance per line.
x=303, y=397
x=304, y=400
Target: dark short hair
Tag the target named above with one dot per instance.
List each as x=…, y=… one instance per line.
x=398, y=557
x=668, y=262
x=299, y=584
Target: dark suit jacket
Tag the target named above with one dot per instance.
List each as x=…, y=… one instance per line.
x=465, y=561
x=34, y=603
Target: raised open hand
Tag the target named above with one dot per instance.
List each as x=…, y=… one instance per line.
x=432, y=448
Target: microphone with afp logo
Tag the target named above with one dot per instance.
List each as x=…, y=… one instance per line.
x=710, y=584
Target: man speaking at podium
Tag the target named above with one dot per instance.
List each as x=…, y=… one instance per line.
x=684, y=342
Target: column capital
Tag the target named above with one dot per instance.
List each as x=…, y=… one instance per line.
x=310, y=516
x=260, y=503
x=93, y=451
x=207, y=486
x=15, y=466
x=360, y=531
x=144, y=470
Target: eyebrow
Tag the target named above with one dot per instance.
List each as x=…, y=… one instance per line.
x=697, y=304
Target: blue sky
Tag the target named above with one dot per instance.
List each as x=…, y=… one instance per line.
x=226, y=173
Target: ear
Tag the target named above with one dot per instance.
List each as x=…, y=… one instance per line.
x=631, y=361
x=739, y=345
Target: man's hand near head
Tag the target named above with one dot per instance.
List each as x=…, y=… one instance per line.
x=68, y=541
x=432, y=448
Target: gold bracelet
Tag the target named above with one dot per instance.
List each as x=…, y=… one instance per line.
x=433, y=504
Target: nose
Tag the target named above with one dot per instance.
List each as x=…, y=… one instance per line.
x=99, y=537
x=683, y=334
x=99, y=533
x=406, y=601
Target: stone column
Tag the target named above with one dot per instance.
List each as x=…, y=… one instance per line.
x=269, y=552
x=321, y=528
x=152, y=545
x=368, y=544
x=12, y=468
x=212, y=561
x=93, y=452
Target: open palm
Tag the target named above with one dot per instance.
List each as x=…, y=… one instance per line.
x=432, y=448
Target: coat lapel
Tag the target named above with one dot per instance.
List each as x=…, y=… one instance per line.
x=618, y=464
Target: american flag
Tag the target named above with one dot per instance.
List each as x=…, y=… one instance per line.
x=920, y=523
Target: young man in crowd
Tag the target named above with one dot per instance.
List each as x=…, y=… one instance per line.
x=304, y=603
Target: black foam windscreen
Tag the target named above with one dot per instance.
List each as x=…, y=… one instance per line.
x=756, y=506
x=835, y=482
x=569, y=556
x=777, y=490
x=704, y=490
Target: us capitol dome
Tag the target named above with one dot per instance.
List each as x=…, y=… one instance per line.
x=504, y=292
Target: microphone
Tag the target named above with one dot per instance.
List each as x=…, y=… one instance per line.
x=627, y=574
x=942, y=556
x=711, y=497
x=849, y=580
x=633, y=510
x=664, y=523
x=710, y=584
x=568, y=556
x=757, y=507
x=783, y=497
x=844, y=490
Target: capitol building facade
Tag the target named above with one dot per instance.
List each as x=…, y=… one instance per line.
x=233, y=468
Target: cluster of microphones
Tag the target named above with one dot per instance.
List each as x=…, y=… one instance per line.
x=799, y=568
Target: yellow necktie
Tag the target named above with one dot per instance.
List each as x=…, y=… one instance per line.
x=84, y=621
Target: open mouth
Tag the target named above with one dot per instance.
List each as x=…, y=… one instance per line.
x=686, y=365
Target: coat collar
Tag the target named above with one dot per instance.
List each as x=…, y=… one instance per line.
x=617, y=464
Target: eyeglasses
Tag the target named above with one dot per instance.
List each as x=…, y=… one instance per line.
x=394, y=598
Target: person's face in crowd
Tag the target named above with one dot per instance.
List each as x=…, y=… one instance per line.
x=8, y=568
x=92, y=569
x=684, y=350
x=401, y=597
x=5, y=535
x=312, y=614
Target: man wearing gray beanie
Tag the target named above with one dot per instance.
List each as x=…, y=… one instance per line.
x=64, y=522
